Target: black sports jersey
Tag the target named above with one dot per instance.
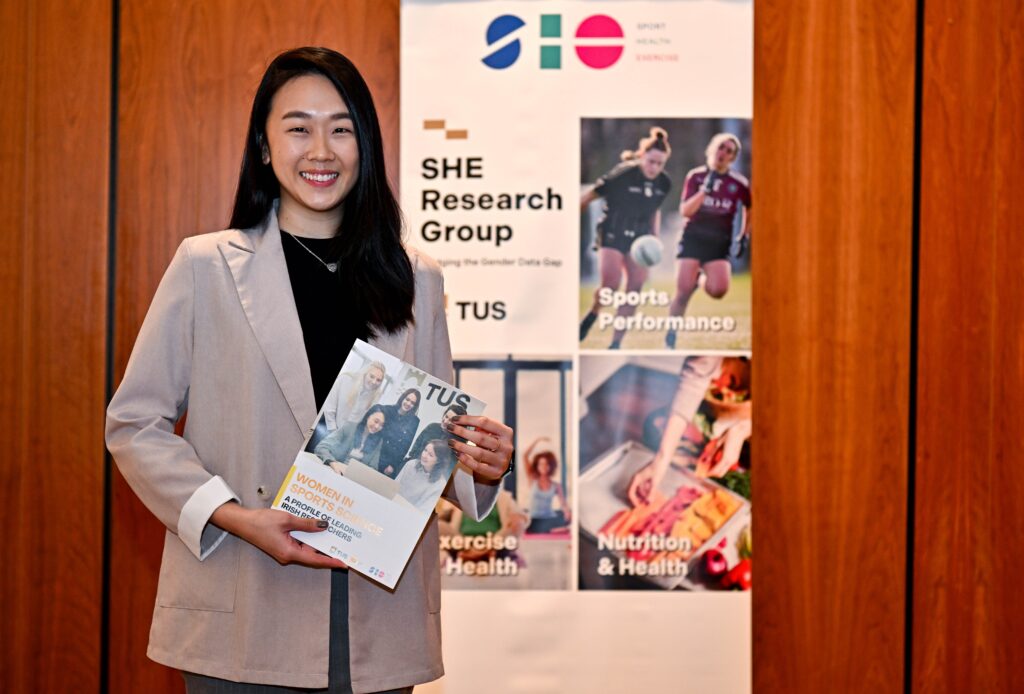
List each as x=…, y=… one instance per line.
x=630, y=199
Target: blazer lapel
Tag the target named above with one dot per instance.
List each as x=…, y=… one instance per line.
x=261, y=280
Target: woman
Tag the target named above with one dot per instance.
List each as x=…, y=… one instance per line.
x=401, y=423
x=436, y=430
x=237, y=333
x=353, y=394
x=541, y=468
x=359, y=441
x=712, y=197
x=633, y=192
x=421, y=480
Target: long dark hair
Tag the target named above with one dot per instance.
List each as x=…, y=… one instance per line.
x=403, y=396
x=376, y=276
x=445, y=460
x=373, y=439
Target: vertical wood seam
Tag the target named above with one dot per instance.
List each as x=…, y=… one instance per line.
x=108, y=361
x=915, y=295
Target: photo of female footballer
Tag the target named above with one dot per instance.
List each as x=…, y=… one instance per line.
x=713, y=195
x=632, y=193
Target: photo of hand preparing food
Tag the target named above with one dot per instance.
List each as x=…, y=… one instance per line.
x=665, y=472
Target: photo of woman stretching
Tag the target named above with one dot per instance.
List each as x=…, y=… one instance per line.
x=542, y=468
x=632, y=192
x=712, y=196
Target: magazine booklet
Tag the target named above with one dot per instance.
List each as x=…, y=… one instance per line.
x=376, y=462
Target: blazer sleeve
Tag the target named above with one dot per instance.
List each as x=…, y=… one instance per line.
x=161, y=467
x=476, y=499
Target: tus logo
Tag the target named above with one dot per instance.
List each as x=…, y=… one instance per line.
x=598, y=41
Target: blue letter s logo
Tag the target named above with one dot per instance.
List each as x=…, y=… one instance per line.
x=498, y=29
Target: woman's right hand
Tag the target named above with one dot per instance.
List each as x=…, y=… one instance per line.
x=645, y=481
x=708, y=186
x=269, y=531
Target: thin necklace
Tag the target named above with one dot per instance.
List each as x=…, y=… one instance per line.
x=331, y=267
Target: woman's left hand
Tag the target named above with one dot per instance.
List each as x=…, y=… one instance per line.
x=491, y=455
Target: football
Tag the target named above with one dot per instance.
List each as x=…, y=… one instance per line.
x=647, y=250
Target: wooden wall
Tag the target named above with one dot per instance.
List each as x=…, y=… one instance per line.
x=54, y=151
x=889, y=374
x=834, y=136
x=968, y=619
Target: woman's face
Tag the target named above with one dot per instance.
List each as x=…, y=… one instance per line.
x=544, y=466
x=446, y=418
x=311, y=146
x=428, y=459
x=373, y=378
x=725, y=154
x=408, y=403
x=375, y=422
x=652, y=163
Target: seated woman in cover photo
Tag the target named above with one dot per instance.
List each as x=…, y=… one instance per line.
x=633, y=193
x=237, y=334
x=712, y=197
x=421, y=480
x=436, y=430
x=355, y=441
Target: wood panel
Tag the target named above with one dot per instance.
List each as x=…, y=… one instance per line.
x=968, y=615
x=188, y=74
x=55, y=119
x=834, y=135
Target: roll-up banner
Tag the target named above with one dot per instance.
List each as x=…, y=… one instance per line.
x=581, y=171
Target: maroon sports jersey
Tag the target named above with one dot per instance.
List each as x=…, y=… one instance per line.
x=717, y=213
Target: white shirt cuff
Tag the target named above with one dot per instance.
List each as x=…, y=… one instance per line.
x=194, y=528
x=476, y=500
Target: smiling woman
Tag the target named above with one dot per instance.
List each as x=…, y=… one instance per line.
x=248, y=330
x=311, y=145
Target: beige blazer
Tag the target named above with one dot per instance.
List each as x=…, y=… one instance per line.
x=222, y=338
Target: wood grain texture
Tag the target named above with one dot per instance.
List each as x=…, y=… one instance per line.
x=968, y=614
x=188, y=74
x=833, y=131
x=55, y=119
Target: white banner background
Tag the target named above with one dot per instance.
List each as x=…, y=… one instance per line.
x=680, y=60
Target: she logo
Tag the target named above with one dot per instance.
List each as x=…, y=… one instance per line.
x=598, y=45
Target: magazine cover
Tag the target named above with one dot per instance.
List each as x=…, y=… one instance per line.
x=376, y=462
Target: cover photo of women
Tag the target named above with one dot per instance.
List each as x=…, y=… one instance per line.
x=384, y=425
x=665, y=229
x=665, y=472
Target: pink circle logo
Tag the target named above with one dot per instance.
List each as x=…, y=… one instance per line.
x=603, y=54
